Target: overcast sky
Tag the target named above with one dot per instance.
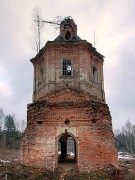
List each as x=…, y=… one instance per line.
x=114, y=25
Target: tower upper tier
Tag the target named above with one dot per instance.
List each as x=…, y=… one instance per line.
x=68, y=62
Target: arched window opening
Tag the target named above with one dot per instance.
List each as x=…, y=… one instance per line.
x=67, y=68
x=95, y=74
x=66, y=149
x=67, y=36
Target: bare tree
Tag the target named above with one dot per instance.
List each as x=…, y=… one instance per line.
x=2, y=115
x=23, y=126
x=37, y=27
x=126, y=136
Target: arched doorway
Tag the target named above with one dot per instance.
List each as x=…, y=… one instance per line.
x=66, y=148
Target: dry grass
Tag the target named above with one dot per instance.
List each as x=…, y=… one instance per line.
x=9, y=154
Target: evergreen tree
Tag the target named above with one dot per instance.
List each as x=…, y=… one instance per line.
x=11, y=132
x=9, y=124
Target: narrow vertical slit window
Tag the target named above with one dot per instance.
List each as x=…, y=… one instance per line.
x=66, y=67
x=95, y=74
x=40, y=79
x=41, y=74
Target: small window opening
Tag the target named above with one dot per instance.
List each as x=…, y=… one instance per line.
x=95, y=74
x=67, y=121
x=67, y=35
x=93, y=120
x=39, y=122
x=67, y=67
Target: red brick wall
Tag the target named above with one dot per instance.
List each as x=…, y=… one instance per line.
x=96, y=147
x=83, y=59
x=76, y=98
x=94, y=139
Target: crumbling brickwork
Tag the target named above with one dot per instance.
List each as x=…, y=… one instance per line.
x=68, y=105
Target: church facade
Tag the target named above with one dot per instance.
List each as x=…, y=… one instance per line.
x=69, y=112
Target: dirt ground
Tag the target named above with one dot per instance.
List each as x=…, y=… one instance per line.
x=126, y=171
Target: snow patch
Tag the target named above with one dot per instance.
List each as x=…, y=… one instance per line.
x=125, y=156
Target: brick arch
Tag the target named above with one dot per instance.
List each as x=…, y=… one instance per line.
x=62, y=134
x=75, y=143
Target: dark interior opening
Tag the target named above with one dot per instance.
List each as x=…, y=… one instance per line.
x=67, y=35
x=67, y=149
x=39, y=122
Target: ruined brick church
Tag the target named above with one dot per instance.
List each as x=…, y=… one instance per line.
x=69, y=120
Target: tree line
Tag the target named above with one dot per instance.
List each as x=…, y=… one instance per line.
x=10, y=131
x=125, y=138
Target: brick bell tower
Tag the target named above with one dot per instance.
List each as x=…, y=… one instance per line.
x=69, y=112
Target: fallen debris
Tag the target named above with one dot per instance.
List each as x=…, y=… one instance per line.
x=22, y=172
